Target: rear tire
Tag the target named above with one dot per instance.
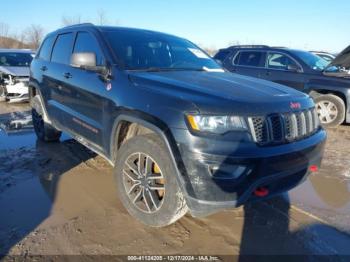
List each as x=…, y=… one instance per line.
x=330, y=109
x=44, y=131
x=146, y=182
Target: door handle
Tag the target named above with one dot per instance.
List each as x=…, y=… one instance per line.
x=67, y=75
x=268, y=73
x=43, y=68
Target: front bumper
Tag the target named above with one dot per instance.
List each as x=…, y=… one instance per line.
x=278, y=168
x=17, y=92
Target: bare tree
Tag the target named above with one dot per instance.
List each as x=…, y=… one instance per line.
x=71, y=20
x=4, y=35
x=34, y=35
x=4, y=29
x=18, y=40
x=236, y=42
x=102, y=17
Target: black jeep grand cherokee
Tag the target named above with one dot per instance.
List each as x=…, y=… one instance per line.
x=180, y=132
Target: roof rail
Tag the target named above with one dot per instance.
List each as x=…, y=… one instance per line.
x=249, y=46
x=77, y=25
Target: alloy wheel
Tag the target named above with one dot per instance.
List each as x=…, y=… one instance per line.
x=144, y=182
x=327, y=111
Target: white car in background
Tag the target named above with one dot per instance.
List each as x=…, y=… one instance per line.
x=14, y=74
x=325, y=55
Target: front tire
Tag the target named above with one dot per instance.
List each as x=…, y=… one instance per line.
x=44, y=131
x=146, y=182
x=330, y=109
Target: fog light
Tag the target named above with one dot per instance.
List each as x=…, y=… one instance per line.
x=227, y=171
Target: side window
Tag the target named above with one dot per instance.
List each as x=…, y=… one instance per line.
x=85, y=42
x=250, y=58
x=281, y=61
x=45, y=50
x=62, y=50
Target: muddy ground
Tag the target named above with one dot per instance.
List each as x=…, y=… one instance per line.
x=60, y=198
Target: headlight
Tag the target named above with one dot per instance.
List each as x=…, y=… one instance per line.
x=216, y=124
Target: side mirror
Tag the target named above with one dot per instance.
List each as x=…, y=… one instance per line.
x=83, y=60
x=87, y=61
x=293, y=68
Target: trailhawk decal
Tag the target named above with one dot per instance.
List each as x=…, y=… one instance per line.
x=81, y=123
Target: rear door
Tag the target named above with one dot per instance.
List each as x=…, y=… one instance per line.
x=56, y=93
x=248, y=62
x=283, y=69
x=40, y=72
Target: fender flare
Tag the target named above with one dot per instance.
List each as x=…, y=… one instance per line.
x=164, y=133
x=42, y=104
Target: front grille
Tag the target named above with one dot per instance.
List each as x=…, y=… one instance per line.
x=23, y=79
x=283, y=128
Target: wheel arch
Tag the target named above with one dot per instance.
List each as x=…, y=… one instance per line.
x=317, y=92
x=161, y=129
x=137, y=124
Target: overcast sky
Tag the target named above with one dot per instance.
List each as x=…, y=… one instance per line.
x=311, y=24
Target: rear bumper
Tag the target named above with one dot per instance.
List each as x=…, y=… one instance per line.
x=225, y=174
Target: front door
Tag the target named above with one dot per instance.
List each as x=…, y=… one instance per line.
x=87, y=91
x=282, y=69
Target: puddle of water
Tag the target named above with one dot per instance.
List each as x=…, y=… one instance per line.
x=16, y=130
x=24, y=206
x=326, y=195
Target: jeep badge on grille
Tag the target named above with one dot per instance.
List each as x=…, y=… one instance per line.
x=295, y=105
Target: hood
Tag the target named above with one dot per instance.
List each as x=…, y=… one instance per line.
x=342, y=60
x=216, y=90
x=15, y=71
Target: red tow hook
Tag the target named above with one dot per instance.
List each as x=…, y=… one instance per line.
x=261, y=192
x=313, y=168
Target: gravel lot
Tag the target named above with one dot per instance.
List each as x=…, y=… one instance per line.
x=60, y=199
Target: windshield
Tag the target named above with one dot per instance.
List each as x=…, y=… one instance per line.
x=144, y=50
x=326, y=57
x=313, y=61
x=15, y=59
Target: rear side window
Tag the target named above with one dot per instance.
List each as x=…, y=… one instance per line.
x=221, y=55
x=280, y=61
x=85, y=42
x=62, y=50
x=250, y=58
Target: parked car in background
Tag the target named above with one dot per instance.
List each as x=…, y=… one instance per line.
x=325, y=55
x=327, y=83
x=181, y=132
x=14, y=74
